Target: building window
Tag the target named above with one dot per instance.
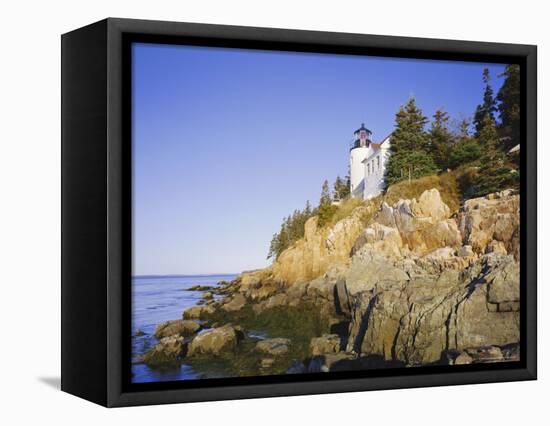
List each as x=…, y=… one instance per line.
x=377, y=163
x=372, y=165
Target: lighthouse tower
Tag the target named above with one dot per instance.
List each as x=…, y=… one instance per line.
x=358, y=153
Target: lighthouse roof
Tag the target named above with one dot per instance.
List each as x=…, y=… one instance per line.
x=362, y=128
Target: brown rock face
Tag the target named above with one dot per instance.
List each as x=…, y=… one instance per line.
x=326, y=344
x=276, y=346
x=411, y=288
x=381, y=238
x=176, y=327
x=236, y=303
x=198, y=312
x=257, y=285
x=216, y=341
x=416, y=319
x=320, y=248
x=167, y=352
x=423, y=225
x=492, y=222
x=413, y=292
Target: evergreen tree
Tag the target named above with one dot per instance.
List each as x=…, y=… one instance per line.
x=348, y=184
x=509, y=107
x=336, y=188
x=440, y=139
x=487, y=136
x=325, y=194
x=341, y=188
x=465, y=149
x=292, y=229
x=409, y=128
x=463, y=132
x=494, y=173
x=410, y=145
x=307, y=210
x=409, y=164
x=489, y=106
x=326, y=209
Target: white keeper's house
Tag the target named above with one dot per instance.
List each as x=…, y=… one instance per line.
x=367, y=164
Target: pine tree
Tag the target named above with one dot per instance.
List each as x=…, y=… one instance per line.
x=509, y=107
x=325, y=194
x=326, y=209
x=465, y=149
x=410, y=145
x=307, y=210
x=409, y=128
x=336, y=187
x=410, y=164
x=465, y=152
x=463, y=132
x=440, y=139
x=489, y=105
x=341, y=188
x=292, y=229
x=494, y=174
x=493, y=169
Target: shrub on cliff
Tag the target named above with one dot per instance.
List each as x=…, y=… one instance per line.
x=344, y=209
x=326, y=212
x=445, y=183
x=480, y=181
x=292, y=228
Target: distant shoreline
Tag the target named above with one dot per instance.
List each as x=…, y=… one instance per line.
x=183, y=275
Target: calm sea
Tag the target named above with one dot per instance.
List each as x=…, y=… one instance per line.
x=156, y=299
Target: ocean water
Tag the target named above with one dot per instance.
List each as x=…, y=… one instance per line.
x=156, y=299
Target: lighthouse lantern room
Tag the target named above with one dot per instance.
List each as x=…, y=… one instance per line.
x=362, y=137
x=358, y=152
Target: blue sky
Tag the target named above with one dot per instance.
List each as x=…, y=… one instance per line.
x=226, y=142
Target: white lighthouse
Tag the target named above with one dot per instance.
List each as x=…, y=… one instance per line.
x=358, y=153
x=367, y=164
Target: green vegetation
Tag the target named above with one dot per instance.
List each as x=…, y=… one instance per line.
x=464, y=152
x=292, y=228
x=509, y=107
x=326, y=209
x=446, y=183
x=341, y=188
x=481, y=160
x=344, y=209
x=326, y=212
x=486, y=111
x=299, y=324
x=440, y=139
x=159, y=360
x=458, y=162
x=476, y=181
x=412, y=157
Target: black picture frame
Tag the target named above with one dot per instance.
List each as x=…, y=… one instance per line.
x=96, y=213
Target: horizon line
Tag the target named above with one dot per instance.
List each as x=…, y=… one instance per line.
x=179, y=275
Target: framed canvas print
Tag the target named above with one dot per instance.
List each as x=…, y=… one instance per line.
x=253, y=212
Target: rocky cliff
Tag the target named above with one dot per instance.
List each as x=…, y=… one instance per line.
x=415, y=284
